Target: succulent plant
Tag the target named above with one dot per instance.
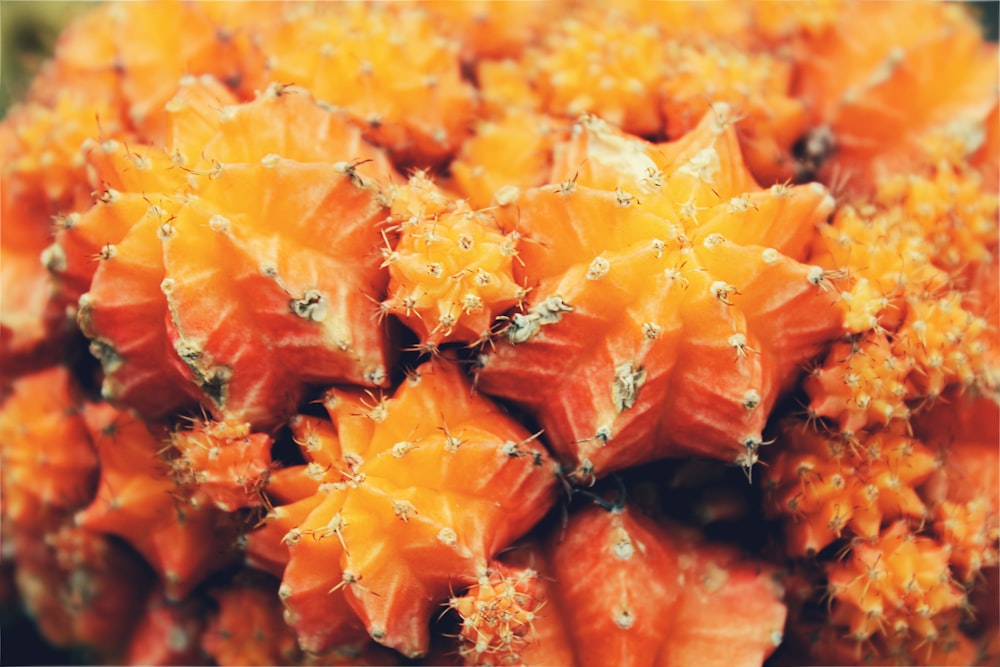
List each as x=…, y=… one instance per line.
x=504, y=333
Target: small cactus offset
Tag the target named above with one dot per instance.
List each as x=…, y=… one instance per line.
x=504, y=333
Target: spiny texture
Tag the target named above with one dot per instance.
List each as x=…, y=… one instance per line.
x=139, y=500
x=668, y=309
x=917, y=329
x=898, y=585
x=832, y=488
x=43, y=175
x=647, y=590
x=965, y=494
x=498, y=615
x=758, y=88
x=601, y=228
x=253, y=224
x=451, y=272
x=226, y=463
x=402, y=498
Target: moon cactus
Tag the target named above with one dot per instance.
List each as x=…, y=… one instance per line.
x=504, y=333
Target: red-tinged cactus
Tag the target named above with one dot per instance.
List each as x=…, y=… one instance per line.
x=965, y=492
x=48, y=465
x=247, y=628
x=83, y=589
x=830, y=487
x=43, y=175
x=433, y=472
x=231, y=211
x=132, y=56
x=364, y=59
x=153, y=308
x=223, y=462
x=674, y=328
x=852, y=78
x=168, y=632
x=139, y=500
x=653, y=594
x=451, y=271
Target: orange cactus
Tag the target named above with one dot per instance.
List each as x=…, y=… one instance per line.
x=608, y=66
x=587, y=214
x=758, y=88
x=896, y=584
x=965, y=493
x=498, y=615
x=828, y=488
x=138, y=500
x=82, y=588
x=451, y=272
x=908, y=255
x=639, y=586
x=511, y=152
x=43, y=175
x=224, y=462
x=311, y=288
x=48, y=465
x=487, y=29
x=387, y=478
x=134, y=56
x=659, y=334
x=412, y=101
x=852, y=77
x=862, y=383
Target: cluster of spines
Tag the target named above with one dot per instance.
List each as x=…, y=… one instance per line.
x=935, y=332
x=832, y=487
x=451, y=270
x=496, y=614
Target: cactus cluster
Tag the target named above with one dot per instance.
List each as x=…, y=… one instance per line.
x=505, y=333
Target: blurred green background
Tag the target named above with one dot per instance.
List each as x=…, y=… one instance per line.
x=28, y=31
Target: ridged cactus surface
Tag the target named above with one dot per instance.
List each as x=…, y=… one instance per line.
x=504, y=333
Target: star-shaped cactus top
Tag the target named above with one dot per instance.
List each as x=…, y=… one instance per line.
x=668, y=305
x=238, y=264
x=403, y=499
